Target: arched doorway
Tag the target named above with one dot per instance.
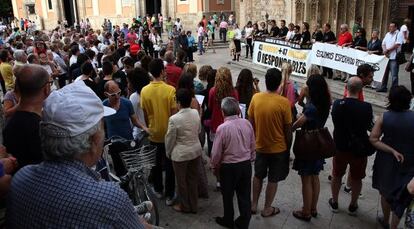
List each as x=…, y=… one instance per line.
x=153, y=6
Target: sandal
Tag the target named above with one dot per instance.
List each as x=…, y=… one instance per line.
x=299, y=215
x=275, y=211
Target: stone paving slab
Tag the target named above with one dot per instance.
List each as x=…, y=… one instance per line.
x=288, y=197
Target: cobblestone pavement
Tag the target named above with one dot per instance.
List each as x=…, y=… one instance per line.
x=288, y=197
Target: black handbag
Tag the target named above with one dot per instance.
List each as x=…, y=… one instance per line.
x=314, y=144
x=400, y=57
x=410, y=66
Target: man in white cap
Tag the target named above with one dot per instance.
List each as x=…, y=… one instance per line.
x=63, y=191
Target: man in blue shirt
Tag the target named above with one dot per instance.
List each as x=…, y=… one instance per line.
x=119, y=124
x=63, y=191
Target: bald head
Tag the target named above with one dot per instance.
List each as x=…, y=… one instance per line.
x=111, y=87
x=354, y=86
x=31, y=79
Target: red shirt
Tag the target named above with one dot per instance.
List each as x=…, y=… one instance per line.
x=360, y=96
x=344, y=38
x=216, y=116
x=134, y=48
x=173, y=74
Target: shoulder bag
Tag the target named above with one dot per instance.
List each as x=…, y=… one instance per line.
x=313, y=144
x=400, y=57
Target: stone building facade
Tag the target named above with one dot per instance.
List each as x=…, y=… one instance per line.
x=46, y=13
x=375, y=14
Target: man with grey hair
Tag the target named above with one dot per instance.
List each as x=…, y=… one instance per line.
x=64, y=191
x=352, y=119
x=233, y=150
x=23, y=127
x=20, y=58
x=172, y=71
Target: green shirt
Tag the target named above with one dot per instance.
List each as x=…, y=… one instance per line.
x=355, y=28
x=168, y=25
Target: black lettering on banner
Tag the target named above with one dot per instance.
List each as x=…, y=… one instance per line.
x=259, y=56
x=324, y=54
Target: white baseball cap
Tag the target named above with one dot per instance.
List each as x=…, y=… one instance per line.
x=75, y=108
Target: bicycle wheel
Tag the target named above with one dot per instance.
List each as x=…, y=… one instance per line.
x=141, y=193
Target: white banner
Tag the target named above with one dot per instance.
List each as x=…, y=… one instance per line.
x=346, y=59
x=274, y=55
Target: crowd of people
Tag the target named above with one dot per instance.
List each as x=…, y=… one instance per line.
x=67, y=90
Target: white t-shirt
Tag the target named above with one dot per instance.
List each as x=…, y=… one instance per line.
x=249, y=32
x=390, y=39
x=73, y=59
x=237, y=34
x=135, y=100
x=178, y=24
x=403, y=29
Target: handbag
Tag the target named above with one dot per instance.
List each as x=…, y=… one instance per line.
x=400, y=57
x=194, y=48
x=314, y=144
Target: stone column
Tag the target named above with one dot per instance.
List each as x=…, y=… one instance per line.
x=16, y=11
x=95, y=7
x=118, y=8
x=143, y=8
x=44, y=9
x=164, y=8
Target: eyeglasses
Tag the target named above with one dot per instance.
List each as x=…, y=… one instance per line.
x=113, y=94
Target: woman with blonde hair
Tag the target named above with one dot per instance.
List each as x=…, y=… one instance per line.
x=223, y=88
x=287, y=88
x=192, y=70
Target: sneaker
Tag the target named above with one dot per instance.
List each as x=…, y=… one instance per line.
x=352, y=210
x=157, y=195
x=333, y=206
x=169, y=201
x=143, y=207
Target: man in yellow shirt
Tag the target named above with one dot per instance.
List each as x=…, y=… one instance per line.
x=6, y=70
x=158, y=104
x=271, y=117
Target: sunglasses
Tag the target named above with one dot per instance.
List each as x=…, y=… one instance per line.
x=113, y=94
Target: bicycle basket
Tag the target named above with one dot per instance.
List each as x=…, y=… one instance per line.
x=142, y=157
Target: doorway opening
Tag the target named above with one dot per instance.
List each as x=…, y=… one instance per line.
x=153, y=7
x=69, y=12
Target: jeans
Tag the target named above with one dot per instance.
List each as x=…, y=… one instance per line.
x=161, y=159
x=223, y=34
x=200, y=44
x=393, y=68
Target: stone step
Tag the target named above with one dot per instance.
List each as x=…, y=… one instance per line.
x=378, y=100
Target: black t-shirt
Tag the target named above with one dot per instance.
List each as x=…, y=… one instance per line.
x=318, y=36
x=91, y=84
x=283, y=31
x=274, y=31
x=21, y=138
x=350, y=115
x=306, y=37
x=359, y=41
x=329, y=36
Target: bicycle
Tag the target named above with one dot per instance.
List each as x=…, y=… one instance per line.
x=137, y=159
